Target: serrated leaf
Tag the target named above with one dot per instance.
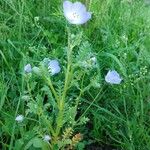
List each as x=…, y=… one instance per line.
x=70, y=115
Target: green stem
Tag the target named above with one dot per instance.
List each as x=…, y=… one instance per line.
x=62, y=102
x=49, y=82
x=67, y=81
x=81, y=91
x=13, y=127
x=29, y=91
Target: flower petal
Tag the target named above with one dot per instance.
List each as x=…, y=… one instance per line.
x=79, y=7
x=67, y=6
x=55, y=70
x=53, y=63
x=54, y=67
x=19, y=118
x=86, y=17
x=27, y=68
x=113, y=77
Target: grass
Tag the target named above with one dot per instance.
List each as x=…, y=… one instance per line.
x=119, y=35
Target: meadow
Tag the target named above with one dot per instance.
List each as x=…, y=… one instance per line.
x=75, y=85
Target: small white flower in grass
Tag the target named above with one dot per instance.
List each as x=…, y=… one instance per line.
x=19, y=118
x=54, y=67
x=27, y=68
x=113, y=77
x=76, y=12
x=47, y=138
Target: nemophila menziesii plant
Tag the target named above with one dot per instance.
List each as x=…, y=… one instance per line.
x=60, y=77
x=74, y=75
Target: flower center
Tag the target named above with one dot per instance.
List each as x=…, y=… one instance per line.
x=75, y=15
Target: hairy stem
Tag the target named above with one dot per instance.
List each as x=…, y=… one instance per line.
x=66, y=84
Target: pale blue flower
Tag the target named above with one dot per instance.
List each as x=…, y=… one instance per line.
x=54, y=67
x=113, y=77
x=76, y=12
x=19, y=118
x=28, y=68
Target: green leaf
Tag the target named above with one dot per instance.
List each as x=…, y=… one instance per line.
x=75, y=39
x=37, y=142
x=19, y=144
x=70, y=115
x=3, y=93
x=80, y=146
x=83, y=120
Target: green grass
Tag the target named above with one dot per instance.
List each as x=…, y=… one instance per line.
x=119, y=34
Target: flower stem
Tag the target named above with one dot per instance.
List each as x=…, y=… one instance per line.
x=67, y=81
x=49, y=82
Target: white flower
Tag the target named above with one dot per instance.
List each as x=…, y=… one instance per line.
x=27, y=68
x=19, y=118
x=54, y=67
x=47, y=138
x=76, y=12
x=113, y=77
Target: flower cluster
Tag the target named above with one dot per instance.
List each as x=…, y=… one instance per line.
x=52, y=66
x=75, y=13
